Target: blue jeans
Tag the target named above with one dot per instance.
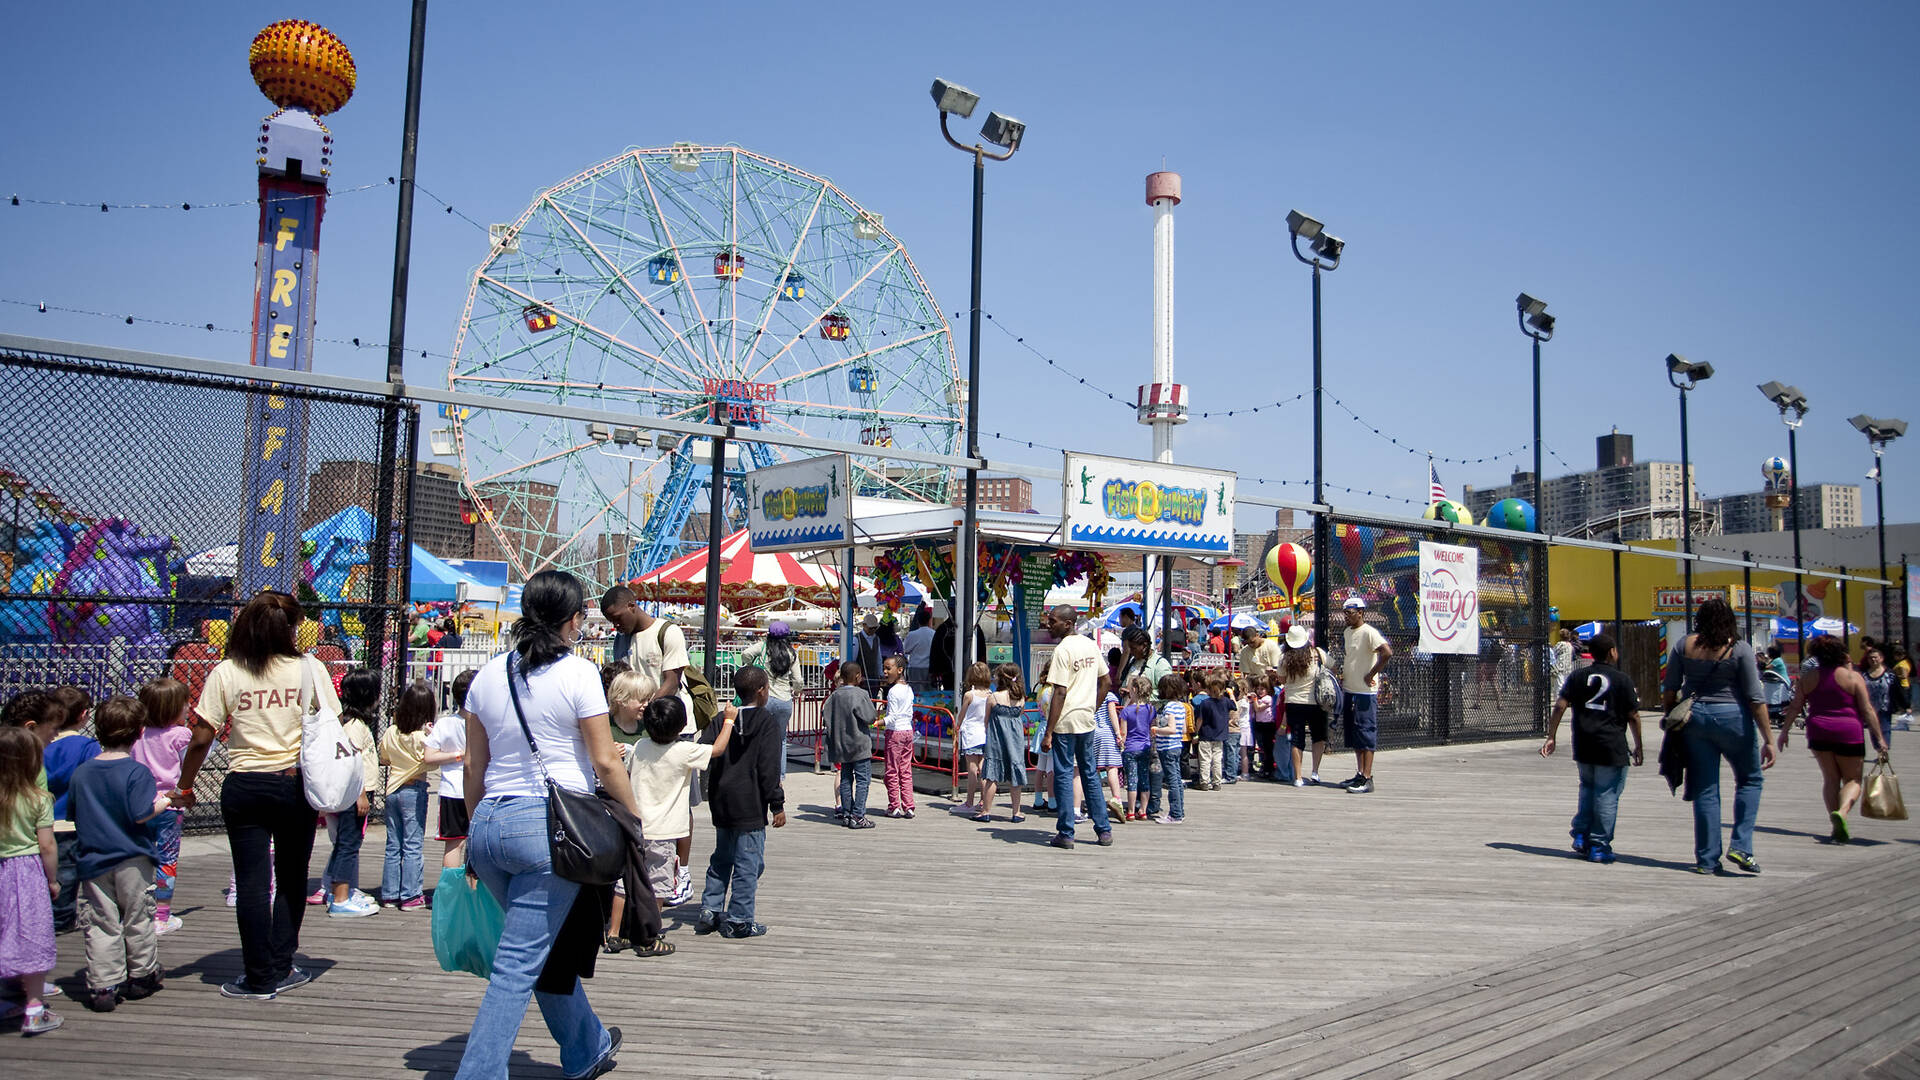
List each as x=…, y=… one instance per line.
x=1600, y=788
x=400, y=877
x=781, y=711
x=1170, y=780
x=345, y=829
x=507, y=847
x=1137, y=769
x=1721, y=730
x=1230, y=758
x=739, y=855
x=1074, y=755
x=854, y=778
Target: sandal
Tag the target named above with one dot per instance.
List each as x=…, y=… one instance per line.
x=983, y=817
x=658, y=947
x=615, y=944
x=1017, y=818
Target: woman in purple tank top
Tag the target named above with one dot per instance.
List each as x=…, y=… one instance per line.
x=1840, y=721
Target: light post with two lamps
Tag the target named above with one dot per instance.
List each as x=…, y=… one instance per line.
x=1684, y=375
x=1879, y=433
x=1326, y=251
x=1789, y=399
x=1002, y=131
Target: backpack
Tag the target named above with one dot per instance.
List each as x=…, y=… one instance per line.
x=706, y=704
x=330, y=772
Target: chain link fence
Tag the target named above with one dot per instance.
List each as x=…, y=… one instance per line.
x=123, y=492
x=1425, y=699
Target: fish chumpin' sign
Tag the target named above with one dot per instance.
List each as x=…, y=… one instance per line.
x=799, y=505
x=1449, y=598
x=1146, y=506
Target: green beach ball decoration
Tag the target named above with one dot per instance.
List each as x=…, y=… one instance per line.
x=1451, y=512
x=1515, y=514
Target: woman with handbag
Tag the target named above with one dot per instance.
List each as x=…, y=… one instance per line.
x=264, y=689
x=1720, y=676
x=537, y=742
x=1306, y=719
x=1840, y=715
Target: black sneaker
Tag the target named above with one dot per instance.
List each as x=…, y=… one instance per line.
x=1364, y=786
x=606, y=1063
x=1744, y=861
x=144, y=987
x=859, y=823
x=743, y=930
x=707, y=923
x=101, y=1001
x=1351, y=780
x=1062, y=841
x=296, y=978
x=239, y=989
x=1105, y=839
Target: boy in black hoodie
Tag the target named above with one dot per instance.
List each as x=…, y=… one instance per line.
x=743, y=786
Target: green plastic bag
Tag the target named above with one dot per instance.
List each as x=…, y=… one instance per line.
x=466, y=924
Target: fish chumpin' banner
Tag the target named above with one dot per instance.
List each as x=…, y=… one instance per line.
x=1449, y=599
x=799, y=505
x=1146, y=506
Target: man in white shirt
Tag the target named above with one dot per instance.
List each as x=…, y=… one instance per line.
x=1361, y=663
x=1259, y=654
x=1078, y=677
x=659, y=651
x=919, y=646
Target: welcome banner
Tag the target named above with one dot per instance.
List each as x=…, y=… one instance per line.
x=1449, y=599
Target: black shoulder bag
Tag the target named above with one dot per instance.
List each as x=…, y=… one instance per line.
x=586, y=843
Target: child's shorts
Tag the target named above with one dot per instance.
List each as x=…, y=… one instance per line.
x=663, y=866
x=978, y=750
x=453, y=818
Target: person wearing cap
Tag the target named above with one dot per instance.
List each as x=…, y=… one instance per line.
x=1361, y=662
x=865, y=650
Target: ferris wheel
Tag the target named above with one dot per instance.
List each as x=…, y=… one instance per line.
x=687, y=283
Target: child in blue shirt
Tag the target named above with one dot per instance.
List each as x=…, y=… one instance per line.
x=1169, y=731
x=113, y=797
x=70, y=706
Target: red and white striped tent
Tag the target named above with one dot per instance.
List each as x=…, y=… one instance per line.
x=746, y=578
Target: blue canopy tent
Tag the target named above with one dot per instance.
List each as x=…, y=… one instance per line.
x=434, y=580
x=1241, y=621
x=1785, y=628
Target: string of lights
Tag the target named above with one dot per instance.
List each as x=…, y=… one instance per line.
x=130, y=319
x=1411, y=449
x=185, y=205
x=448, y=207
x=1034, y=444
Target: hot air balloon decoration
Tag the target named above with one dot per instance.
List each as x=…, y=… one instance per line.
x=1514, y=514
x=1354, y=543
x=1290, y=569
x=1451, y=512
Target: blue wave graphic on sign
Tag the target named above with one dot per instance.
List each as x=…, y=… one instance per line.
x=1151, y=538
x=814, y=535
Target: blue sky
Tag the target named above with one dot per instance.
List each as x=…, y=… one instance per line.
x=1731, y=182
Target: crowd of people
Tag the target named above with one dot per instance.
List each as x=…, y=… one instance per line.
x=90, y=825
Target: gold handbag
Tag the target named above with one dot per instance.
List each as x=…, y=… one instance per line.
x=1880, y=794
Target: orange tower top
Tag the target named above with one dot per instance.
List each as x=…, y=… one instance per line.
x=302, y=65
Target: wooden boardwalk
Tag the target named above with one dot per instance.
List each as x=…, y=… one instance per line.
x=1438, y=927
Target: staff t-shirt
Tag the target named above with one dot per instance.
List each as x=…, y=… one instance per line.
x=1603, y=699
x=265, y=710
x=1363, y=646
x=449, y=736
x=556, y=699
x=1076, y=667
x=662, y=779
x=656, y=652
x=1260, y=658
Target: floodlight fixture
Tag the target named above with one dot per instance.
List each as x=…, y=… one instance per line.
x=1328, y=246
x=1684, y=373
x=1529, y=306
x=599, y=432
x=954, y=98
x=1878, y=431
x=1542, y=322
x=1302, y=226
x=1003, y=130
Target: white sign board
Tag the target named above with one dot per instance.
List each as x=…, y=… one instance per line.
x=1449, y=599
x=1146, y=506
x=800, y=505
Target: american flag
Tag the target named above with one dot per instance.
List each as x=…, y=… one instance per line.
x=1436, y=491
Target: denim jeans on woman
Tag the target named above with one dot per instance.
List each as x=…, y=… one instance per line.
x=854, y=778
x=401, y=875
x=1716, y=730
x=507, y=848
x=270, y=833
x=782, y=712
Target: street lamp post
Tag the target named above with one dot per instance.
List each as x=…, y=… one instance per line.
x=1326, y=250
x=1879, y=433
x=1538, y=325
x=1684, y=376
x=1789, y=399
x=1006, y=132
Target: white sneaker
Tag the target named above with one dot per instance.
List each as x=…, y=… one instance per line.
x=353, y=907
x=1297, y=782
x=1314, y=778
x=233, y=897
x=173, y=923
x=686, y=881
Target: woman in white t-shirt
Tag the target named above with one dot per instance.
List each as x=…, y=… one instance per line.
x=560, y=702
x=262, y=689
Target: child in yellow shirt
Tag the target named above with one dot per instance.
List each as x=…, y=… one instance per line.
x=403, y=750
